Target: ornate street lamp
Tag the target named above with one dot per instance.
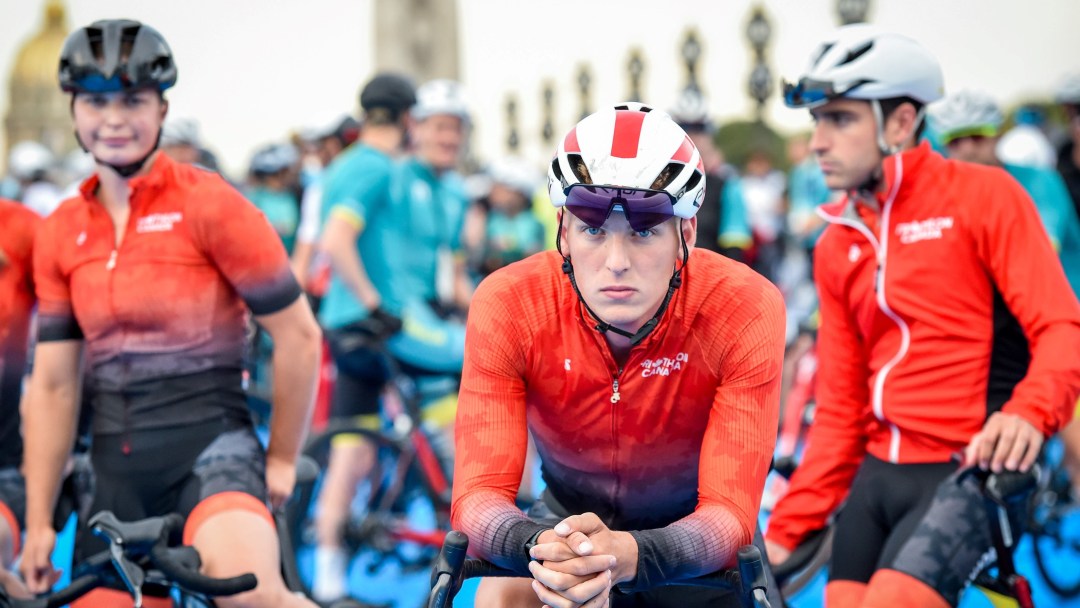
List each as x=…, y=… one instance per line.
x=547, y=131
x=760, y=83
x=691, y=54
x=635, y=69
x=852, y=11
x=512, y=139
x=584, y=82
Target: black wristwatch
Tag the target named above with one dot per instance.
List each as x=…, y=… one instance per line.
x=532, y=542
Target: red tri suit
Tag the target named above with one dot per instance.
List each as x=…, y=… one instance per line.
x=163, y=314
x=17, y=227
x=674, y=447
x=942, y=307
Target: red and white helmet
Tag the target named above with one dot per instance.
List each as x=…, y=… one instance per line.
x=629, y=146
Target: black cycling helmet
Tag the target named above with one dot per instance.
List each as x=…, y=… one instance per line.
x=389, y=95
x=115, y=55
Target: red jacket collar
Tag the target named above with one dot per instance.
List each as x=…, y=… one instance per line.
x=910, y=165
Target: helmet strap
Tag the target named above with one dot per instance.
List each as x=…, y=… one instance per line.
x=125, y=171
x=603, y=326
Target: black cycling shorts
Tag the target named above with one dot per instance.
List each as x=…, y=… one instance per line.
x=548, y=512
x=362, y=372
x=13, y=495
x=155, y=472
x=916, y=519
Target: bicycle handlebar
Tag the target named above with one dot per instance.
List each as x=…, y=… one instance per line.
x=140, y=545
x=452, y=568
x=175, y=564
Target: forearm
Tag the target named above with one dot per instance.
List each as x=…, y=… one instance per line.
x=339, y=242
x=1047, y=395
x=701, y=543
x=295, y=368
x=49, y=424
x=463, y=286
x=497, y=529
x=301, y=261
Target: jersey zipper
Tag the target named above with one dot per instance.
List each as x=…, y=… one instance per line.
x=615, y=398
x=125, y=446
x=905, y=332
x=880, y=254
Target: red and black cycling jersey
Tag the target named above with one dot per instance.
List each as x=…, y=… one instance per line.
x=674, y=446
x=941, y=306
x=163, y=314
x=17, y=227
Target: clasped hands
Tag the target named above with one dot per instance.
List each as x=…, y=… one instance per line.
x=575, y=564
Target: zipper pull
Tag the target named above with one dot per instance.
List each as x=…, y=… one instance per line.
x=615, y=390
x=112, y=261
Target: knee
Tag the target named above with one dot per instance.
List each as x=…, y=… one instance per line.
x=506, y=593
x=261, y=596
x=887, y=585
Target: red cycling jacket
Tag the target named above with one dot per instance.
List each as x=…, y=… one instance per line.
x=17, y=227
x=943, y=306
x=673, y=446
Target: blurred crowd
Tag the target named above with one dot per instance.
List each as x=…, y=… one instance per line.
x=760, y=211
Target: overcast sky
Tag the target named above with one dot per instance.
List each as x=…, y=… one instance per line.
x=253, y=70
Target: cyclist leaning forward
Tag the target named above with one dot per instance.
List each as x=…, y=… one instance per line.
x=647, y=371
x=947, y=326
x=149, y=270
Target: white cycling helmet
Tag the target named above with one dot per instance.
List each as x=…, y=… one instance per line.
x=1069, y=89
x=965, y=113
x=691, y=111
x=516, y=174
x=630, y=146
x=274, y=158
x=180, y=131
x=441, y=97
x=1025, y=145
x=861, y=61
x=29, y=160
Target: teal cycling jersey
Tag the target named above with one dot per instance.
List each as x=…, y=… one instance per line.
x=513, y=237
x=282, y=209
x=734, y=229
x=1057, y=213
x=807, y=191
x=406, y=215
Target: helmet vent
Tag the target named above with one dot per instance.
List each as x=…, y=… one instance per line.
x=581, y=171
x=824, y=50
x=692, y=183
x=664, y=179
x=556, y=170
x=857, y=52
x=96, y=39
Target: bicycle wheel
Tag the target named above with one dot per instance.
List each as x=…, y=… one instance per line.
x=805, y=563
x=1056, y=545
x=1055, y=524
x=392, y=501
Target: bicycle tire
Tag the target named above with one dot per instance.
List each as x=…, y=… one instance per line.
x=1051, y=577
x=797, y=581
x=388, y=499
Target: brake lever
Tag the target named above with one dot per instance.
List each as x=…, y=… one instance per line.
x=130, y=573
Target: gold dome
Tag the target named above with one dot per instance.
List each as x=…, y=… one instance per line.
x=38, y=59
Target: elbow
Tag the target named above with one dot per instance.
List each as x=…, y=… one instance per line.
x=310, y=338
